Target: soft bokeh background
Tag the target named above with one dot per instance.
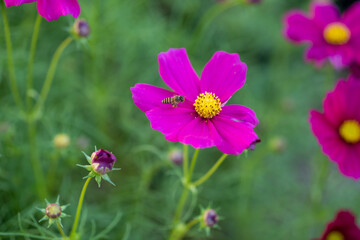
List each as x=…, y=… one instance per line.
x=285, y=189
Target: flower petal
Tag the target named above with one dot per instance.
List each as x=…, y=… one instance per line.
x=352, y=16
x=348, y=161
x=199, y=133
x=239, y=113
x=169, y=121
x=147, y=97
x=299, y=28
x=317, y=53
x=324, y=13
x=53, y=9
x=176, y=71
x=9, y=3
x=235, y=136
x=343, y=102
x=223, y=75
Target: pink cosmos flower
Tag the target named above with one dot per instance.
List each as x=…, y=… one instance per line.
x=330, y=34
x=51, y=9
x=343, y=227
x=338, y=128
x=202, y=119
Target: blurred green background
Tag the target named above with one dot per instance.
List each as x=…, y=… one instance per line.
x=285, y=189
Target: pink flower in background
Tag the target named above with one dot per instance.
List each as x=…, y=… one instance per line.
x=201, y=119
x=330, y=35
x=338, y=128
x=343, y=227
x=51, y=9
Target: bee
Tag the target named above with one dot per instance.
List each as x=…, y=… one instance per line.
x=175, y=100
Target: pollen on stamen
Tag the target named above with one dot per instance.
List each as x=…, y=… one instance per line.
x=207, y=105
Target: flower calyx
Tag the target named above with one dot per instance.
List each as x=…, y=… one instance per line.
x=101, y=162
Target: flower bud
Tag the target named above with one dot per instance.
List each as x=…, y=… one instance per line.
x=61, y=140
x=210, y=217
x=176, y=156
x=277, y=144
x=53, y=210
x=81, y=28
x=102, y=161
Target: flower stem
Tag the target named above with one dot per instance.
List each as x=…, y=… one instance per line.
x=11, y=68
x=78, y=211
x=61, y=230
x=185, y=192
x=50, y=74
x=29, y=76
x=193, y=162
x=34, y=159
x=186, y=161
x=211, y=171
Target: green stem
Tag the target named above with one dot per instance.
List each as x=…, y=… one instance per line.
x=61, y=230
x=186, y=161
x=11, y=68
x=193, y=162
x=78, y=211
x=319, y=183
x=35, y=160
x=50, y=74
x=211, y=171
x=192, y=223
x=185, y=192
x=29, y=76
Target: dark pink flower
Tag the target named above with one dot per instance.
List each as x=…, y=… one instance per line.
x=51, y=9
x=338, y=128
x=202, y=119
x=342, y=228
x=331, y=35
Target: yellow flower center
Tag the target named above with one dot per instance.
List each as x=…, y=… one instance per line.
x=337, y=33
x=207, y=105
x=335, y=235
x=350, y=131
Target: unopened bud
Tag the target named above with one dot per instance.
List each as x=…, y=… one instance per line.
x=53, y=210
x=176, y=156
x=61, y=140
x=81, y=28
x=102, y=161
x=210, y=217
x=278, y=144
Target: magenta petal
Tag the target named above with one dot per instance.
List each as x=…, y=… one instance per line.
x=147, y=97
x=169, y=121
x=348, y=161
x=324, y=13
x=239, y=113
x=53, y=9
x=300, y=28
x=352, y=16
x=199, y=133
x=223, y=75
x=317, y=53
x=235, y=136
x=176, y=71
x=9, y=3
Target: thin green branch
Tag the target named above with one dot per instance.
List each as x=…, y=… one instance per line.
x=11, y=67
x=29, y=76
